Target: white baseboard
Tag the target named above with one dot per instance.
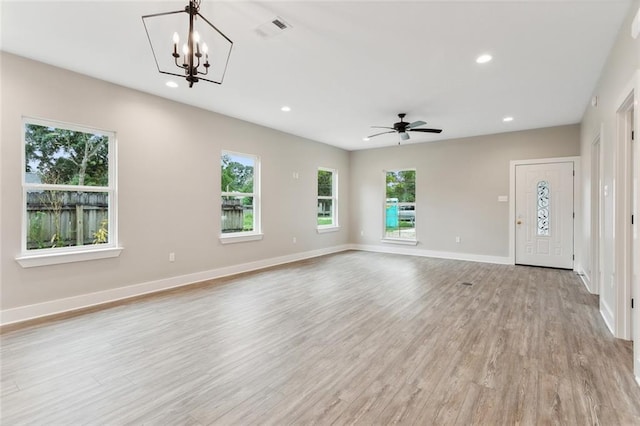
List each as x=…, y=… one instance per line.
x=607, y=315
x=58, y=306
x=585, y=280
x=501, y=260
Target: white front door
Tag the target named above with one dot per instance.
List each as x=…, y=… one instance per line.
x=544, y=215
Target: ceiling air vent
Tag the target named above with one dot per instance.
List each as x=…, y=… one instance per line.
x=272, y=28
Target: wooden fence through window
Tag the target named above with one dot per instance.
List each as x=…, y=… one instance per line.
x=65, y=218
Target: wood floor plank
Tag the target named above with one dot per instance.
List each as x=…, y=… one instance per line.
x=352, y=338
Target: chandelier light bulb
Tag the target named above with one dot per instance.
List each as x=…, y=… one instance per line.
x=196, y=37
x=185, y=49
x=205, y=48
x=176, y=38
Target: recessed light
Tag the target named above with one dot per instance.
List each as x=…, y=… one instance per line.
x=365, y=139
x=507, y=119
x=285, y=108
x=171, y=84
x=483, y=59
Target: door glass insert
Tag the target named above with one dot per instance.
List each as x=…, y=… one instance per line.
x=543, y=208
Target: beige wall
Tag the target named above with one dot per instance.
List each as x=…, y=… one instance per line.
x=168, y=184
x=622, y=65
x=457, y=188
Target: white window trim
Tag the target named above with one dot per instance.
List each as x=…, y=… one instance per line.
x=324, y=229
x=44, y=259
x=60, y=255
x=391, y=240
x=405, y=242
x=335, y=226
x=240, y=237
x=245, y=236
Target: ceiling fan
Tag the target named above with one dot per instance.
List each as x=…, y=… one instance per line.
x=402, y=127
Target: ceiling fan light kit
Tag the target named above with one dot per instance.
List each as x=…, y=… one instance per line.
x=402, y=127
x=204, y=54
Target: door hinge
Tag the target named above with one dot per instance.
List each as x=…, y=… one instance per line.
x=632, y=219
x=574, y=215
x=573, y=257
x=632, y=303
x=574, y=172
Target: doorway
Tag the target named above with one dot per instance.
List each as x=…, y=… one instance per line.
x=544, y=214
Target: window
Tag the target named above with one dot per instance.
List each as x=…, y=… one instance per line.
x=400, y=205
x=240, y=207
x=327, y=199
x=543, y=208
x=68, y=191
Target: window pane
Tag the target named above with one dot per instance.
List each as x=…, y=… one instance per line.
x=543, y=208
x=65, y=157
x=325, y=212
x=400, y=218
x=325, y=183
x=402, y=185
x=237, y=173
x=237, y=214
x=66, y=218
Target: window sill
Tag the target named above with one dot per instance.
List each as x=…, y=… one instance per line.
x=232, y=239
x=399, y=241
x=44, y=259
x=325, y=229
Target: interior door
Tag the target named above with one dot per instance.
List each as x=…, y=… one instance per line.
x=544, y=214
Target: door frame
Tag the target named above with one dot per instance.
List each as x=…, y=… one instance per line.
x=576, y=203
x=622, y=209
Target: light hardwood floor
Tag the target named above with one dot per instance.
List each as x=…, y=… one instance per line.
x=355, y=337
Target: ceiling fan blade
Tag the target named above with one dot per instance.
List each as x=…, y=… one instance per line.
x=382, y=127
x=404, y=136
x=416, y=124
x=426, y=130
x=383, y=133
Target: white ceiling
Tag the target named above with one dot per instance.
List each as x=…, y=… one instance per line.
x=347, y=65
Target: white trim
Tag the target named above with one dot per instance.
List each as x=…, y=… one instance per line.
x=24, y=313
x=325, y=229
x=256, y=195
x=56, y=258
x=607, y=315
x=585, y=280
x=333, y=197
x=399, y=241
x=233, y=238
x=470, y=257
x=512, y=201
x=57, y=255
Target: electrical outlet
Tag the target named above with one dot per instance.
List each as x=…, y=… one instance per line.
x=295, y=240
x=457, y=239
x=362, y=233
x=172, y=257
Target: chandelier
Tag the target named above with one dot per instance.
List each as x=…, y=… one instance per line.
x=205, y=50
